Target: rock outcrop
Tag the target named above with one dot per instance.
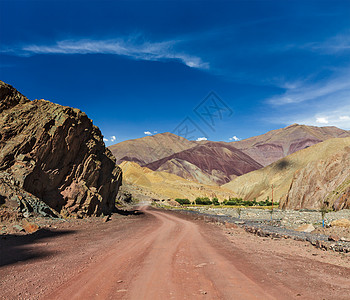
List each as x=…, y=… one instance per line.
x=54, y=155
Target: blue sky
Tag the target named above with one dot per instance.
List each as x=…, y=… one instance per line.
x=142, y=67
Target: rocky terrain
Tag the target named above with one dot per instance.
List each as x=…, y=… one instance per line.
x=276, y=144
x=290, y=219
x=310, y=178
x=53, y=159
x=291, y=224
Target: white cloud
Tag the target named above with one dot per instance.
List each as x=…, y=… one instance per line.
x=105, y=140
x=113, y=138
x=201, y=139
x=148, y=133
x=234, y=138
x=344, y=118
x=322, y=120
x=133, y=47
x=155, y=131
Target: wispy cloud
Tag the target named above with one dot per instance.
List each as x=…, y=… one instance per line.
x=105, y=140
x=113, y=138
x=324, y=102
x=297, y=92
x=201, y=139
x=148, y=133
x=132, y=47
x=336, y=44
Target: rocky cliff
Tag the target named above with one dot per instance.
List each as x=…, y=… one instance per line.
x=55, y=155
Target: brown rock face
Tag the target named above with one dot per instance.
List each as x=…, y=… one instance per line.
x=55, y=154
x=322, y=182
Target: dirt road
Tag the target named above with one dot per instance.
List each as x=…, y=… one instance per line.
x=160, y=255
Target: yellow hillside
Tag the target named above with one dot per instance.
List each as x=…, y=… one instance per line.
x=257, y=184
x=162, y=185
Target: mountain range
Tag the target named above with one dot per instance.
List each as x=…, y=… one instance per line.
x=276, y=144
x=220, y=162
x=285, y=158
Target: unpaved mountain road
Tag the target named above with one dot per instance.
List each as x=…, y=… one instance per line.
x=163, y=255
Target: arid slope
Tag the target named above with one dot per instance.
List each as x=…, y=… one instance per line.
x=305, y=179
x=149, y=184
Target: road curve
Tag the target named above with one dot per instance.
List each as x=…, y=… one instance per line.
x=169, y=258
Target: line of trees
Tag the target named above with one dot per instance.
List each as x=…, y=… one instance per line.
x=229, y=202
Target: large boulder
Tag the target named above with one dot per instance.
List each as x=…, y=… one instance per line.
x=341, y=223
x=305, y=228
x=55, y=154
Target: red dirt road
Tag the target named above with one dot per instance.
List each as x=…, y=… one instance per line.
x=160, y=255
x=169, y=260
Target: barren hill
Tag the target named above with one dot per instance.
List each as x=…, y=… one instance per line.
x=276, y=144
x=150, y=148
x=147, y=184
x=305, y=179
x=208, y=162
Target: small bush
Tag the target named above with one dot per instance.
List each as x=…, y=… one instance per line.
x=216, y=201
x=203, y=201
x=183, y=201
x=241, y=202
